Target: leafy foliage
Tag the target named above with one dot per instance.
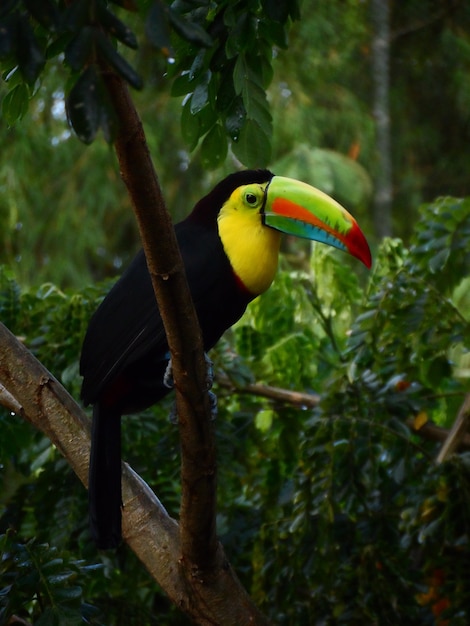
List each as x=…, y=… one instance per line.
x=220, y=57
x=41, y=585
x=336, y=515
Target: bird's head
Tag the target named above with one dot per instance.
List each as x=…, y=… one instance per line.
x=258, y=206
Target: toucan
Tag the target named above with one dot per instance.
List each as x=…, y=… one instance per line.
x=229, y=245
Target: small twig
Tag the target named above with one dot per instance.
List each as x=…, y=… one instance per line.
x=433, y=432
x=9, y=401
x=457, y=433
x=429, y=431
x=412, y=27
x=296, y=398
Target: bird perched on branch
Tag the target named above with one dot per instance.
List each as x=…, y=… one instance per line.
x=230, y=246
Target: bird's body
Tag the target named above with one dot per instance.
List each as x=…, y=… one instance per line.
x=230, y=254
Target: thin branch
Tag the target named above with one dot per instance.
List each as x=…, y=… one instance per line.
x=438, y=16
x=9, y=401
x=457, y=433
x=433, y=432
x=428, y=431
x=148, y=529
x=296, y=398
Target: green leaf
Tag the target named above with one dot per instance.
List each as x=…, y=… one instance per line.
x=182, y=85
x=240, y=74
x=264, y=420
x=116, y=28
x=214, y=147
x=45, y=13
x=7, y=6
x=118, y=62
x=198, y=64
x=200, y=96
x=274, y=33
x=189, y=30
x=130, y=5
x=281, y=10
x=248, y=84
x=257, y=108
x=242, y=35
x=189, y=126
x=83, y=105
x=75, y=15
x=235, y=118
x=207, y=117
x=157, y=28
x=79, y=50
x=253, y=147
x=8, y=33
x=30, y=56
x=15, y=104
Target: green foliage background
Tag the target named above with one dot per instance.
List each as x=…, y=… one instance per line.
x=332, y=515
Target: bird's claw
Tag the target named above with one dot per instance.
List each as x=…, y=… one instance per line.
x=213, y=404
x=173, y=416
x=168, y=380
x=169, y=383
x=209, y=372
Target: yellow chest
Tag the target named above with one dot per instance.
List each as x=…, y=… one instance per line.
x=252, y=249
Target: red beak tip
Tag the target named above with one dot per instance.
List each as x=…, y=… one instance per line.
x=359, y=247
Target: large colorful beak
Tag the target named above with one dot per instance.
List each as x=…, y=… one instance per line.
x=296, y=208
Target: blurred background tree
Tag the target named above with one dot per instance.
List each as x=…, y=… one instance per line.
x=331, y=515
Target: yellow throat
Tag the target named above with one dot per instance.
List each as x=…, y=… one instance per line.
x=251, y=247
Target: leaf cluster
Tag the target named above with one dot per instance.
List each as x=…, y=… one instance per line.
x=225, y=84
x=40, y=585
x=220, y=57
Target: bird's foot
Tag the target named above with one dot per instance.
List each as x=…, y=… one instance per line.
x=213, y=404
x=173, y=416
x=168, y=380
x=169, y=383
x=209, y=372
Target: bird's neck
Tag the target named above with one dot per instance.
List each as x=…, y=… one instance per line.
x=252, y=249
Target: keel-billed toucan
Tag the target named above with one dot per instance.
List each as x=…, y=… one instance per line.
x=229, y=244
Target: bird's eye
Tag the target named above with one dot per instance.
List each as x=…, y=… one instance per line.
x=251, y=199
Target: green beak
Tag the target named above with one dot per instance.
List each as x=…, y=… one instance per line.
x=296, y=208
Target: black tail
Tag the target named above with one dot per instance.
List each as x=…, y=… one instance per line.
x=104, y=486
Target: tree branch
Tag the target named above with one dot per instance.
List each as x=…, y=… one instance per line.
x=428, y=431
x=457, y=433
x=198, y=457
x=296, y=398
x=148, y=529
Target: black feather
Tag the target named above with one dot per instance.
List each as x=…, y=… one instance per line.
x=125, y=352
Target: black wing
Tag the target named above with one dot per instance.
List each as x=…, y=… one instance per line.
x=127, y=332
